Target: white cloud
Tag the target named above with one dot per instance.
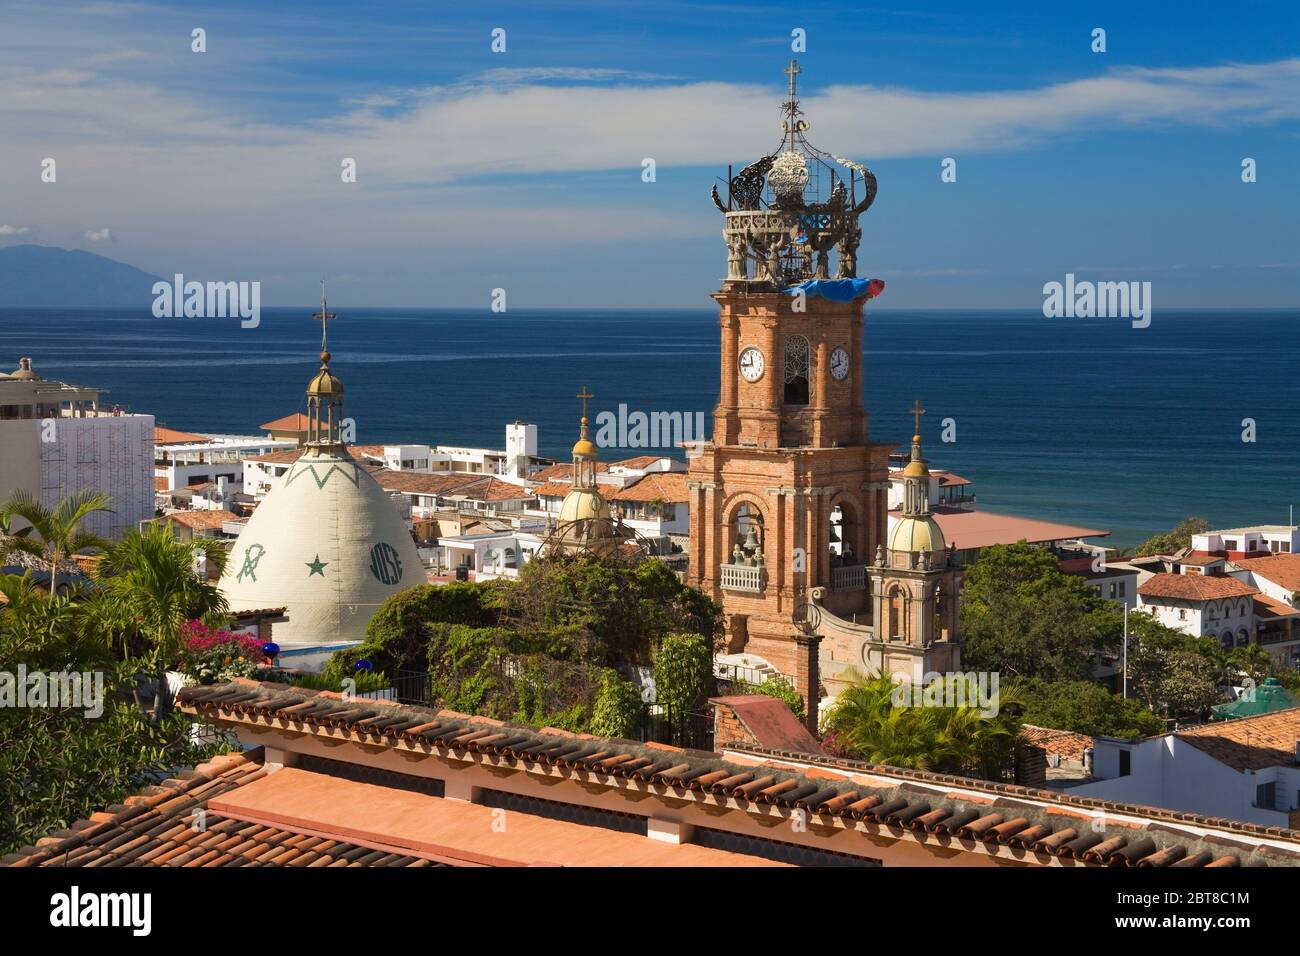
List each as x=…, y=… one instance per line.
x=14, y=230
x=98, y=235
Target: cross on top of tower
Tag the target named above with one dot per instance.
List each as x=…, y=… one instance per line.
x=324, y=315
x=792, y=71
x=917, y=412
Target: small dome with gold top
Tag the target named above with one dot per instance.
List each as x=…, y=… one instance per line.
x=916, y=530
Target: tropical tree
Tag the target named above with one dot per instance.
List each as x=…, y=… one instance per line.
x=867, y=723
x=54, y=534
x=1177, y=539
x=148, y=591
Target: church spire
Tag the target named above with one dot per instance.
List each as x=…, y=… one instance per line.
x=584, y=450
x=916, y=476
x=325, y=394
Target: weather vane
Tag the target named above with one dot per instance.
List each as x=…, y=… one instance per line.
x=325, y=315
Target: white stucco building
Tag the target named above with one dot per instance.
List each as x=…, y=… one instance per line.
x=56, y=440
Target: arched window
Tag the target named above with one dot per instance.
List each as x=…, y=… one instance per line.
x=844, y=535
x=897, y=614
x=746, y=544
x=796, y=367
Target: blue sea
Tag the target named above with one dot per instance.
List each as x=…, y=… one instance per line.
x=1088, y=421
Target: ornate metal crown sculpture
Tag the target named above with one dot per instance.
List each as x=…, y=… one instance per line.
x=786, y=212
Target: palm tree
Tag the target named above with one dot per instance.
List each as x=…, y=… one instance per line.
x=865, y=723
x=148, y=587
x=54, y=534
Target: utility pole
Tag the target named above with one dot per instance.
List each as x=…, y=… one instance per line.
x=1124, y=665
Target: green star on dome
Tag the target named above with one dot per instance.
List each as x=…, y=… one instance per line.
x=317, y=567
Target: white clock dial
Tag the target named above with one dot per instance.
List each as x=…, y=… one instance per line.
x=751, y=364
x=840, y=364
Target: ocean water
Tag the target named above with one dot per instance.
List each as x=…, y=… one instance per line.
x=1088, y=421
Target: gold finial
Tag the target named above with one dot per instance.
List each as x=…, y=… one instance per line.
x=917, y=412
x=325, y=315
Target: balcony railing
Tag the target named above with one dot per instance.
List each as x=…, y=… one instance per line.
x=743, y=577
x=850, y=578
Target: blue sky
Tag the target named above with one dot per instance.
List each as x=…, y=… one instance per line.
x=522, y=170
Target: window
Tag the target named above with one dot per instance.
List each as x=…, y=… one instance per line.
x=1125, y=762
x=1229, y=544
x=1266, y=795
x=796, y=365
x=1112, y=591
x=1123, y=589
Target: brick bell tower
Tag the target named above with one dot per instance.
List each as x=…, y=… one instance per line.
x=790, y=495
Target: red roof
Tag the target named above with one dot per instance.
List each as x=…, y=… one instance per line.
x=561, y=472
x=453, y=484
x=656, y=486
x=297, y=422
x=969, y=530
x=1282, y=569
x=1194, y=587
x=170, y=436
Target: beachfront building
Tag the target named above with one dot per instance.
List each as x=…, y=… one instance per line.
x=327, y=545
x=187, y=460
x=57, y=440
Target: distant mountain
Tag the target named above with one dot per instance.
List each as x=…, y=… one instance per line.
x=49, y=276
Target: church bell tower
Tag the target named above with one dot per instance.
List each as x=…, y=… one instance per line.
x=790, y=496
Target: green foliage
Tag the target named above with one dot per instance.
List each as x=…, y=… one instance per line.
x=683, y=671
x=1087, y=708
x=364, y=682
x=53, y=534
x=1177, y=539
x=605, y=612
x=1172, y=673
x=776, y=686
x=464, y=667
x=618, y=709
x=1022, y=616
x=396, y=637
x=536, y=649
x=58, y=765
x=865, y=724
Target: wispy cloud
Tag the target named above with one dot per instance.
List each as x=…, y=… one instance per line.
x=14, y=230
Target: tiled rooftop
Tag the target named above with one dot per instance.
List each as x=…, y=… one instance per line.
x=882, y=801
x=157, y=828
x=1194, y=587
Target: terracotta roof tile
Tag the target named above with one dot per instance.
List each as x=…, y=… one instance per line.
x=1282, y=569
x=170, y=436
x=455, y=484
x=1194, y=587
x=876, y=796
x=296, y=422
x=1249, y=743
x=155, y=828
x=666, y=486
x=202, y=520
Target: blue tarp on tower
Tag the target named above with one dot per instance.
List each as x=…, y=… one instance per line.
x=838, y=290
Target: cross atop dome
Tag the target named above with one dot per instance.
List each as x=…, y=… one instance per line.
x=325, y=316
x=917, y=412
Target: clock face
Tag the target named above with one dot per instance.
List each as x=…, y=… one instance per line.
x=751, y=364
x=840, y=364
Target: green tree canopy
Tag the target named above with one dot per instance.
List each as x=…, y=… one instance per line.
x=1024, y=617
x=1087, y=708
x=1177, y=539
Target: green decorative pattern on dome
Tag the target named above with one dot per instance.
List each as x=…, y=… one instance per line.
x=348, y=470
